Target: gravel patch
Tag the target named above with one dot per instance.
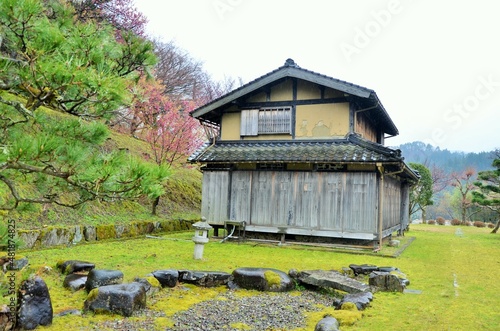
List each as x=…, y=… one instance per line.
x=264, y=311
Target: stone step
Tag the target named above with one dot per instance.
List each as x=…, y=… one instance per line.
x=332, y=279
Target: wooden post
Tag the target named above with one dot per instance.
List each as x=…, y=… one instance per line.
x=380, y=204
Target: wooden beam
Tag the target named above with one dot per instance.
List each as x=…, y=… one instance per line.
x=252, y=105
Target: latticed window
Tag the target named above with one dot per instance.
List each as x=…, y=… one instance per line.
x=266, y=121
x=275, y=120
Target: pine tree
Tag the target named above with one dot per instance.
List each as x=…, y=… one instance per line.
x=60, y=78
x=488, y=193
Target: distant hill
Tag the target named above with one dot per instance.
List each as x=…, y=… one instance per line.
x=429, y=155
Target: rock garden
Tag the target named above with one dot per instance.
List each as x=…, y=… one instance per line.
x=277, y=306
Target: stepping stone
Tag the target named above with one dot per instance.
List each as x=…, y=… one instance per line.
x=332, y=279
x=261, y=279
x=122, y=299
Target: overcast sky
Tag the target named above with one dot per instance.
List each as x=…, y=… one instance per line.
x=433, y=64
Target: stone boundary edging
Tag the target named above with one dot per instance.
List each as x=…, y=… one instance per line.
x=72, y=235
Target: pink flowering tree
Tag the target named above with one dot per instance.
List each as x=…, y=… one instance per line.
x=175, y=134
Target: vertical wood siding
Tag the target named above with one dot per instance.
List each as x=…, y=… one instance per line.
x=215, y=197
x=360, y=202
x=306, y=198
x=364, y=127
x=392, y=202
x=241, y=192
x=332, y=201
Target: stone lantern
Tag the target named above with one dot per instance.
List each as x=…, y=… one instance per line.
x=200, y=237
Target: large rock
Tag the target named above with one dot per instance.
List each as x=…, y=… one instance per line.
x=89, y=233
x=167, y=278
x=385, y=281
x=122, y=299
x=204, y=278
x=56, y=236
x=75, y=282
x=360, y=299
x=363, y=269
x=71, y=266
x=332, y=279
x=35, y=306
x=327, y=323
x=262, y=279
x=99, y=277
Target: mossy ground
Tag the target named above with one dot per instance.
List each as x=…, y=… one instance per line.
x=456, y=274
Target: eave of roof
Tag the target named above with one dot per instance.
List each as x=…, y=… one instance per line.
x=345, y=150
x=290, y=69
x=349, y=150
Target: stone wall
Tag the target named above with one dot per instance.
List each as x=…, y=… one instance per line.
x=58, y=236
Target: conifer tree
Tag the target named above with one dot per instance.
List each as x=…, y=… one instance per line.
x=61, y=77
x=488, y=193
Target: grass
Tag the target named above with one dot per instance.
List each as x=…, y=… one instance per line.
x=458, y=276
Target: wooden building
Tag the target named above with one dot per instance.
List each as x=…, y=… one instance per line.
x=298, y=153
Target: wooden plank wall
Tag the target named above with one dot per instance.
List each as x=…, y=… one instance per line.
x=241, y=191
x=334, y=201
x=215, y=197
x=392, y=202
x=365, y=128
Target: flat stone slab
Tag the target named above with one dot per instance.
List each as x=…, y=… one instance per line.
x=332, y=279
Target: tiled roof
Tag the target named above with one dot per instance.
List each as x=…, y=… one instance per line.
x=350, y=149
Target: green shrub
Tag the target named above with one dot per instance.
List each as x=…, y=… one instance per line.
x=479, y=224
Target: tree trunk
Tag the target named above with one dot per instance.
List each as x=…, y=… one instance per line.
x=156, y=201
x=424, y=215
x=496, y=227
